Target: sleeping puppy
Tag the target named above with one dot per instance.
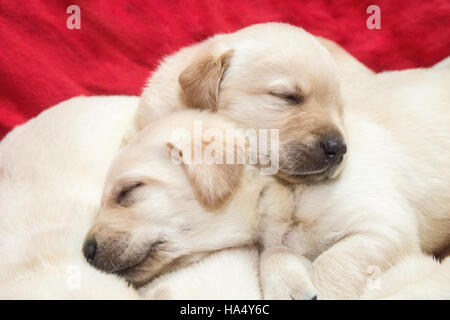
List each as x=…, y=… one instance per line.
x=392, y=197
x=158, y=214
x=268, y=75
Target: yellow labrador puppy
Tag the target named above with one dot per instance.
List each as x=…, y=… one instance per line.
x=392, y=197
x=158, y=214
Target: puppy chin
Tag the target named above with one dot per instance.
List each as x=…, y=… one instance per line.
x=336, y=170
x=142, y=273
x=302, y=178
x=312, y=178
x=157, y=265
x=137, y=278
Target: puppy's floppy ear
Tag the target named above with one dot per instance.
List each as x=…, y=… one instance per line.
x=200, y=81
x=212, y=183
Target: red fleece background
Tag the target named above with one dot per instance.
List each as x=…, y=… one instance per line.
x=120, y=42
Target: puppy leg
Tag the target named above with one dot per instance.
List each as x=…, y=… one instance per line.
x=345, y=269
x=285, y=275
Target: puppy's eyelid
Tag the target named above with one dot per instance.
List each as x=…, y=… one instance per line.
x=122, y=194
x=290, y=97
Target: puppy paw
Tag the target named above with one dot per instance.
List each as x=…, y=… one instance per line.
x=288, y=285
x=285, y=276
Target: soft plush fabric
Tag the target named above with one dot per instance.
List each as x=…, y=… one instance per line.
x=42, y=62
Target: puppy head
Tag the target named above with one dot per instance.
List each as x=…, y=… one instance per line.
x=157, y=213
x=274, y=76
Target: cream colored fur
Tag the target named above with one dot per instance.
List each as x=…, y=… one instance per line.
x=228, y=274
x=51, y=174
x=413, y=277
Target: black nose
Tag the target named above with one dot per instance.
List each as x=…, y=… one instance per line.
x=89, y=249
x=334, y=148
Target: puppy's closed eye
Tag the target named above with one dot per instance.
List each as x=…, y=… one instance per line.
x=124, y=195
x=291, y=98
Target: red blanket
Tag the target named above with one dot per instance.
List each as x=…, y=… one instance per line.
x=42, y=62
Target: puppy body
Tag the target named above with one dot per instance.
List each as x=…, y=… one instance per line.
x=391, y=199
x=228, y=274
x=349, y=68
x=51, y=175
x=413, y=277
